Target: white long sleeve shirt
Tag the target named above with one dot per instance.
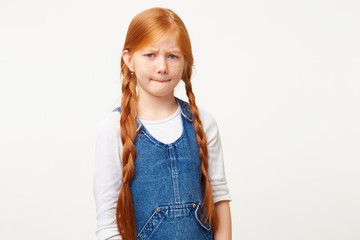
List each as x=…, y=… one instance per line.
x=108, y=167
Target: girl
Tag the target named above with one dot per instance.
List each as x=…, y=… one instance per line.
x=159, y=171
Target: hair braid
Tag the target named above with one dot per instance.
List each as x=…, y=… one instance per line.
x=203, y=152
x=125, y=216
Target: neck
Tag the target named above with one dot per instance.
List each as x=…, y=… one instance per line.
x=156, y=108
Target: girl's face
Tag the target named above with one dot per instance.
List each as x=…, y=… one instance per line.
x=158, y=67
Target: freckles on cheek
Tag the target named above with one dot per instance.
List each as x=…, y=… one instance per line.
x=178, y=69
x=148, y=67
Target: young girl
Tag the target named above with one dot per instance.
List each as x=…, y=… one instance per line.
x=159, y=170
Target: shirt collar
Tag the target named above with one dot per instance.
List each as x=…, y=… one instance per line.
x=185, y=111
x=184, y=107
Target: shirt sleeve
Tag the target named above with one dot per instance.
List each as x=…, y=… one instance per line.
x=107, y=176
x=216, y=170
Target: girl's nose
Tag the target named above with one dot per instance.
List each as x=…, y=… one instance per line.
x=162, y=65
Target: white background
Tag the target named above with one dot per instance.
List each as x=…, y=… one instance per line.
x=282, y=79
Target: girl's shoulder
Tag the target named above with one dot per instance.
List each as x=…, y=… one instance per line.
x=209, y=123
x=207, y=119
x=110, y=124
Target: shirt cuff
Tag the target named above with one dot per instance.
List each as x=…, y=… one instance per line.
x=108, y=233
x=220, y=190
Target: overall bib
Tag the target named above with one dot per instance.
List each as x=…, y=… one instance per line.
x=166, y=188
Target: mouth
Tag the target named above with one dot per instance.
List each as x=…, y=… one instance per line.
x=156, y=80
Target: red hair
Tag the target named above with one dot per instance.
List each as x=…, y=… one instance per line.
x=145, y=28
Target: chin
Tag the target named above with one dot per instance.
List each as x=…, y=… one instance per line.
x=162, y=94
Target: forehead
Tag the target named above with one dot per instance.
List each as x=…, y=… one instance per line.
x=167, y=42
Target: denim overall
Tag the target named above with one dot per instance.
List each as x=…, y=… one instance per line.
x=166, y=188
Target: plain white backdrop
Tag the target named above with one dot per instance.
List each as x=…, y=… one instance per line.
x=282, y=79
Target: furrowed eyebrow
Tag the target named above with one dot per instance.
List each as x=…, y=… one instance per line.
x=175, y=50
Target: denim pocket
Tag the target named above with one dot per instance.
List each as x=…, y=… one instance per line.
x=152, y=224
x=200, y=216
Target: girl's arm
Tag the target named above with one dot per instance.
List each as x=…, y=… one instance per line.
x=216, y=170
x=107, y=176
x=222, y=210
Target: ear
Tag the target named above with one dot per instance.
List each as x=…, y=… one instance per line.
x=128, y=59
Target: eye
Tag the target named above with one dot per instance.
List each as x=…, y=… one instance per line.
x=149, y=55
x=172, y=56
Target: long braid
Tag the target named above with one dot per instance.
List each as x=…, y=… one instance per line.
x=203, y=152
x=125, y=216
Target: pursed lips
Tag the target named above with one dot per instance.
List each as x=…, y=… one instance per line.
x=160, y=80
